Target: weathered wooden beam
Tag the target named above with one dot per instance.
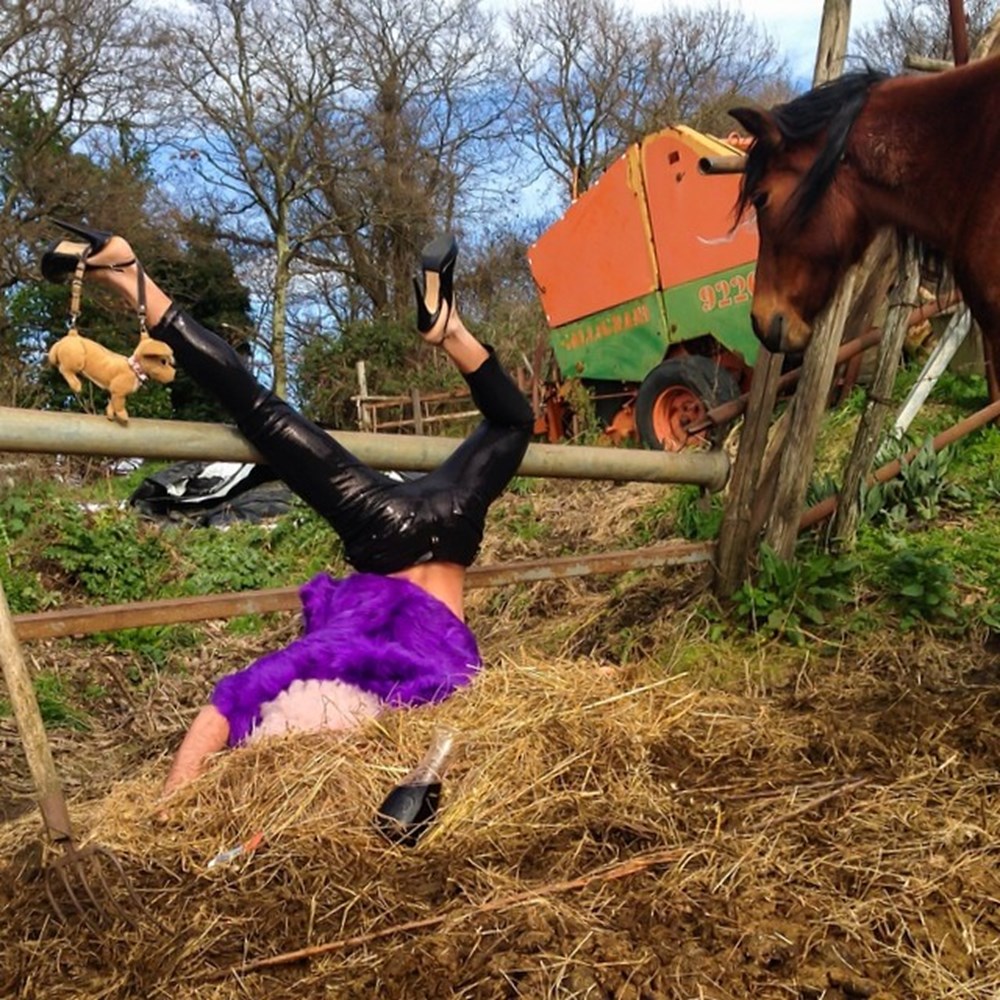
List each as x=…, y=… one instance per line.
x=927, y=64
x=869, y=432
x=805, y=416
x=832, y=46
x=736, y=534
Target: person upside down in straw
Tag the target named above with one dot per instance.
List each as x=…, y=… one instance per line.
x=393, y=632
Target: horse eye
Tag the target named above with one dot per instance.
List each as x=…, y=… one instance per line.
x=759, y=200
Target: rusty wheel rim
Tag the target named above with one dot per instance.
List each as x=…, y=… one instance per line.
x=673, y=412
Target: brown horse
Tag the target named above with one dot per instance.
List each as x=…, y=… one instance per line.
x=827, y=170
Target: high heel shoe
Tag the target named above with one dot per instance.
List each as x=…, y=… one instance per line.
x=60, y=262
x=434, y=286
x=68, y=260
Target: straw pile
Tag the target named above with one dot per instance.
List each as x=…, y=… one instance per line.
x=613, y=832
x=634, y=810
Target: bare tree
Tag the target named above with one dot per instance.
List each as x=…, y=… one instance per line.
x=60, y=66
x=701, y=63
x=61, y=101
x=417, y=132
x=594, y=77
x=581, y=75
x=247, y=83
x=333, y=137
x=917, y=28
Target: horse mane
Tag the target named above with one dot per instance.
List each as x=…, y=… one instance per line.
x=833, y=106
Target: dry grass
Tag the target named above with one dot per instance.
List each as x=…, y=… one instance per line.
x=605, y=832
x=634, y=811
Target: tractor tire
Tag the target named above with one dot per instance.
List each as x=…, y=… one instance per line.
x=677, y=393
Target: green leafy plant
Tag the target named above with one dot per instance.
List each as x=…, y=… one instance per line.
x=786, y=596
x=15, y=515
x=820, y=488
x=990, y=616
x=25, y=591
x=523, y=521
x=153, y=644
x=109, y=553
x=920, y=491
x=992, y=487
x=54, y=703
x=682, y=510
x=698, y=515
x=920, y=583
x=239, y=558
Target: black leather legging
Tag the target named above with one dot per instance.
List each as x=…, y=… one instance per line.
x=385, y=525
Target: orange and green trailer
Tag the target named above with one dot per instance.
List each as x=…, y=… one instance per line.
x=646, y=283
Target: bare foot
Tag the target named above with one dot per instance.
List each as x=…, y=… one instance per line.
x=116, y=255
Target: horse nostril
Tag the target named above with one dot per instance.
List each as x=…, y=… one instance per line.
x=775, y=334
x=771, y=337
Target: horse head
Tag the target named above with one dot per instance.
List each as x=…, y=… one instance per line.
x=799, y=183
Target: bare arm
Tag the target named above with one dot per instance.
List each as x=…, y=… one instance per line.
x=208, y=734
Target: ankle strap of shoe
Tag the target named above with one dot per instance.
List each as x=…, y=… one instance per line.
x=140, y=294
x=76, y=293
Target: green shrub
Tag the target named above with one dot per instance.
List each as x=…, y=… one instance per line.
x=15, y=516
x=25, y=591
x=698, y=515
x=920, y=491
x=687, y=511
x=216, y=561
x=110, y=554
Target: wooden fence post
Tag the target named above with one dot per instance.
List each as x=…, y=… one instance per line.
x=832, y=48
x=736, y=534
x=418, y=411
x=807, y=409
x=869, y=433
x=364, y=414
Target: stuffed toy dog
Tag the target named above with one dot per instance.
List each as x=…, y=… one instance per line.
x=74, y=355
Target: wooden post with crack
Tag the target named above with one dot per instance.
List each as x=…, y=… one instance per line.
x=739, y=530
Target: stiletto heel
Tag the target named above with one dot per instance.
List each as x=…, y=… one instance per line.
x=434, y=286
x=69, y=260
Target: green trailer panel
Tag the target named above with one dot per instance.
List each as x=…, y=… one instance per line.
x=718, y=304
x=620, y=344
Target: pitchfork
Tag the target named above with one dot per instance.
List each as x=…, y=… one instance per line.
x=78, y=873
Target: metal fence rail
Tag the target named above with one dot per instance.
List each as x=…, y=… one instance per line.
x=41, y=431
x=111, y=617
x=81, y=434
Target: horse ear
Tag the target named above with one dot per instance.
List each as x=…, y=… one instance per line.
x=760, y=124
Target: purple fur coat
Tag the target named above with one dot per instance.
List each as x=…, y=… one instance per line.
x=382, y=634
